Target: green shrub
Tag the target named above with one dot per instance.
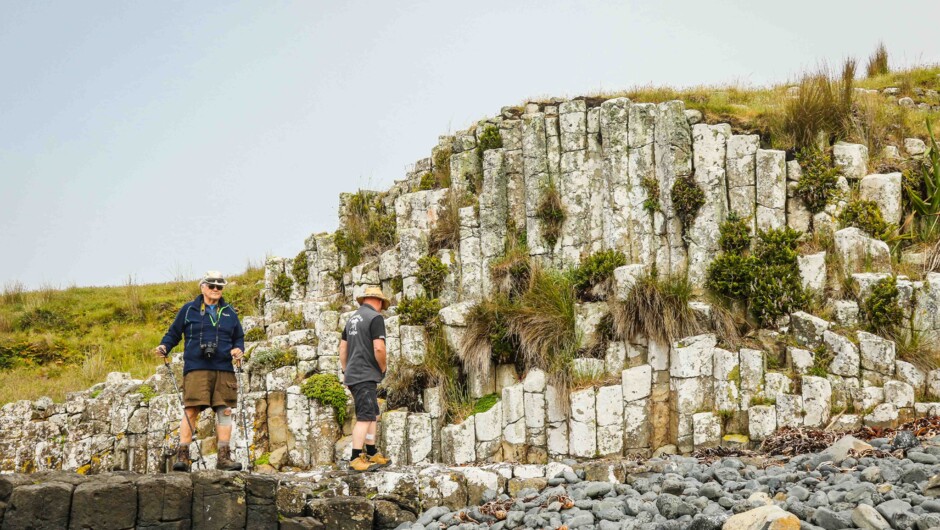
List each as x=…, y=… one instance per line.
x=428, y=182
x=768, y=281
x=489, y=139
x=866, y=216
x=441, y=170
x=878, y=62
x=651, y=186
x=735, y=234
x=283, y=284
x=777, y=290
x=485, y=403
x=301, y=271
x=419, y=311
x=687, y=199
x=273, y=358
x=778, y=247
x=431, y=275
x=263, y=460
x=730, y=275
x=487, y=338
x=296, y=321
x=327, y=390
x=880, y=310
x=255, y=335
x=396, y=284
x=818, y=184
x=551, y=213
x=146, y=393
x=596, y=269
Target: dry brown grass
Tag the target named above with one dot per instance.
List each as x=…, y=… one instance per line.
x=878, y=62
x=445, y=234
x=657, y=309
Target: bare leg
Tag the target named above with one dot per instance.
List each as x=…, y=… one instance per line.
x=186, y=434
x=360, y=429
x=223, y=432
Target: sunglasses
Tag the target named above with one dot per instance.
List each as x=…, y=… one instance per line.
x=214, y=287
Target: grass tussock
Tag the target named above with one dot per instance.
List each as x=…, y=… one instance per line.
x=369, y=227
x=441, y=369
x=819, y=112
x=657, y=309
x=878, y=62
x=54, y=341
x=536, y=329
x=445, y=234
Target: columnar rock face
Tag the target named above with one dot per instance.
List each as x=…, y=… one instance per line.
x=709, y=145
x=614, y=166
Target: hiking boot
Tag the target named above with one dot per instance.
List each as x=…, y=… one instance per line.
x=224, y=460
x=379, y=460
x=361, y=463
x=183, y=462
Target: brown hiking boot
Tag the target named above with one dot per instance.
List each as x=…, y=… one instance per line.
x=379, y=460
x=224, y=460
x=361, y=463
x=183, y=462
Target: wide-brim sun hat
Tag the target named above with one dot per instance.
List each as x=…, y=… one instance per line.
x=374, y=292
x=213, y=278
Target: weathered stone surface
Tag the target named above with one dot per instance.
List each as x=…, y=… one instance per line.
x=845, y=313
x=808, y=329
x=915, y=147
x=344, y=513
x=221, y=496
x=625, y=278
x=458, y=442
x=706, y=430
x=852, y=159
x=802, y=360
x=770, y=517
x=637, y=428
x=845, y=359
x=637, y=382
x=817, y=399
x=885, y=191
x=910, y=374
x=107, y=503
x=899, y=394
x=789, y=411
x=771, y=189
x=582, y=426
x=762, y=421
x=741, y=167
x=692, y=356
x=45, y=505
x=708, y=155
x=610, y=420
x=813, y=271
x=858, y=252
x=164, y=498
x=877, y=354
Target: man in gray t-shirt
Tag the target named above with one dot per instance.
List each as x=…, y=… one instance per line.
x=362, y=357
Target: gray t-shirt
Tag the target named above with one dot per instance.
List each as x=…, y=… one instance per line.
x=361, y=329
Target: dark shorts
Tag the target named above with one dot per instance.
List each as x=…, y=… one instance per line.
x=209, y=388
x=365, y=400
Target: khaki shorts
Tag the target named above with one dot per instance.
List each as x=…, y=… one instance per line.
x=210, y=388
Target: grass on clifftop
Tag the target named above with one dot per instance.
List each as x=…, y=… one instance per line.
x=56, y=341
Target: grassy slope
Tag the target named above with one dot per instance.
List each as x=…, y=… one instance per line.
x=58, y=341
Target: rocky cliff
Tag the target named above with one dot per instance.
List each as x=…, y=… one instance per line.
x=570, y=179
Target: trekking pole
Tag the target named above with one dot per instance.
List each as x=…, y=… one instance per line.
x=192, y=430
x=244, y=413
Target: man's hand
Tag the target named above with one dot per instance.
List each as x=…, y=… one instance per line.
x=160, y=351
x=237, y=355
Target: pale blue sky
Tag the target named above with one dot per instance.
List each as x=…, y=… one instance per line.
x=157, y=139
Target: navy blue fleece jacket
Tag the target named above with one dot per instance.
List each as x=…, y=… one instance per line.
x=195, y=324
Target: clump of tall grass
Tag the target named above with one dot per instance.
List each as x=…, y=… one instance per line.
x=656, y=308
x=821, y=110
x=878, y=62
x=446, y=230
x=441, y=369
x=537, y=329
x=369, y=230
x=551, y=213
x=13, y=293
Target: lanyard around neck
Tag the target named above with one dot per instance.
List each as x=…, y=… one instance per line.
x=214, y=320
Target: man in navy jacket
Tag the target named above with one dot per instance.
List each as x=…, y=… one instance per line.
x=214, y=339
